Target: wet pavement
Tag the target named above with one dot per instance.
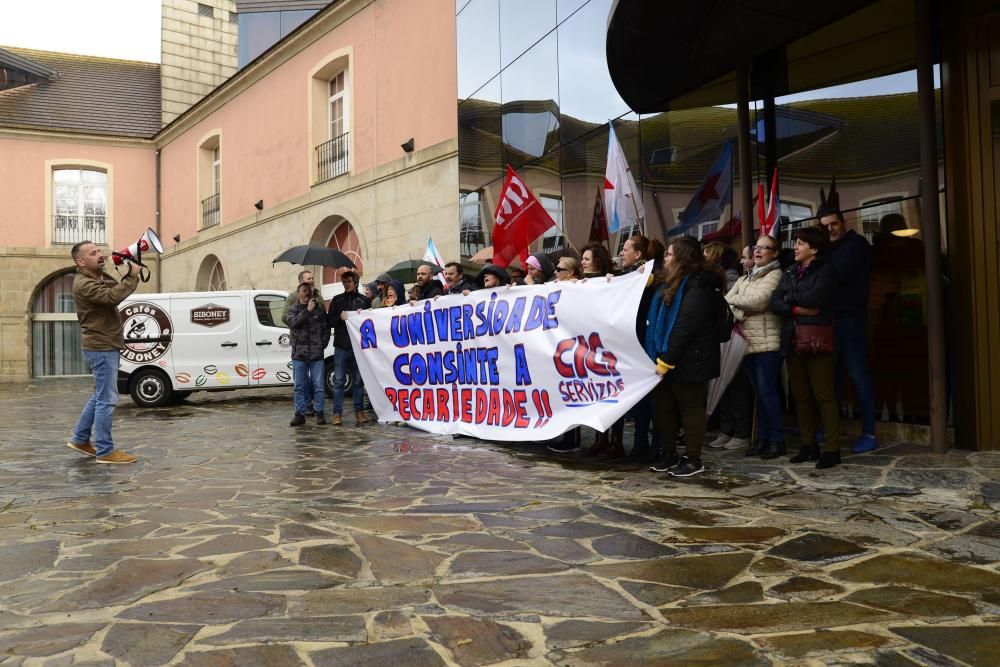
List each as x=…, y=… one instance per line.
x=238, y=540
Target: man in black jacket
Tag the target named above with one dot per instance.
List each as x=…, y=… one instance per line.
x=343, y=357
x=427, y=286
x=454, y=276
x=851, y=257
x=310, y=335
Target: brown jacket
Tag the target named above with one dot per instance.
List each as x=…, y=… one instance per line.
x=97, y=296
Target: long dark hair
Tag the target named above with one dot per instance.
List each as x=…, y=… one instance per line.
x=688, y=259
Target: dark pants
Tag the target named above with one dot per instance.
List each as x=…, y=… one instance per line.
x=643, y=412
x=851, y=337
x=677, y=404
x=736, y=407
x=764, y=369
x=811, y=377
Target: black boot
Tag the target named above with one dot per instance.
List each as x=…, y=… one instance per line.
x=810, y=453
x=773, y=450
x=828, y=460
x=756, y=447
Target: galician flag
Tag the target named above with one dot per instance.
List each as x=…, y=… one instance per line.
x=622, y=200
x=432, y=256
x=714, y=195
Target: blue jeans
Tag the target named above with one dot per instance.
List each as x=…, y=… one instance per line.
x=851, y=338
x=96, y=416
x=344, y=361
x=764, y=369
x=309, y=384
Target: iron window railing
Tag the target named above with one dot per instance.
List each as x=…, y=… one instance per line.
x=76, y=228
x=210, y=211
x=331, y=158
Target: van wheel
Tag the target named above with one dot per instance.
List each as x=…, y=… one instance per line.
x=150, y=388
x=348, y=384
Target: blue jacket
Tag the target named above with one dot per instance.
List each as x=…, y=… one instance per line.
x=851, y=258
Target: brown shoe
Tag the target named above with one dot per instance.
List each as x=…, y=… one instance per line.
x=337, y=420
x=87, y=448
x=115, y=456
x=601, y=444
x=361, y=417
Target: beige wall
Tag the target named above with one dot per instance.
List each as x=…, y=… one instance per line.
x=197, y=53
x=401, y=203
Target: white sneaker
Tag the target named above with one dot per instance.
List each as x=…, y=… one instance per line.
x=720, y=440
x=736, y=443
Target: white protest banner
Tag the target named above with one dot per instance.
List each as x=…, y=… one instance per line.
x=518, y=363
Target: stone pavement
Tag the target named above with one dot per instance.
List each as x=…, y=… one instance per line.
x=239, y=541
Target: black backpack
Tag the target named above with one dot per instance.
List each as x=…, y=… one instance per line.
x=724, y=321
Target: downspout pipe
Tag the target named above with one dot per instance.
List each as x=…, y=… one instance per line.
x=930, y=226
x=157, y=229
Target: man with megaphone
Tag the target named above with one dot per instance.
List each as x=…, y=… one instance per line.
x=97, y=296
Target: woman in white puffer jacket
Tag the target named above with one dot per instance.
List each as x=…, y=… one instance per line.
x=750, y=299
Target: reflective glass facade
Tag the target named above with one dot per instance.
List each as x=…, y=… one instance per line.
x=535, y=92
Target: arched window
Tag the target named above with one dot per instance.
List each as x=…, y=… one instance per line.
x=79, y=205
x=211, y=276
x=55, y=332
x=344, y=239
x=217, y=280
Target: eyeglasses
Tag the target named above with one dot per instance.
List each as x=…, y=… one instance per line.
x=561, y=268
x=764, y=247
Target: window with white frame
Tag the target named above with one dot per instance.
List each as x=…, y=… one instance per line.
x=472, y=233
x=553, y=239
x=873, y=210
x=79, y=206
x=55, y=331
x=332, y=156
x=624, y=234
x=217, y=279
x=210, y=181
x=793, y=216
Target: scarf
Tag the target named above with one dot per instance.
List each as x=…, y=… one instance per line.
x=660, y=321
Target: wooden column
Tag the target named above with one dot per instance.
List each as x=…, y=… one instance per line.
x=930, y=226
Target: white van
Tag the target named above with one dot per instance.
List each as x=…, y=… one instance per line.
x=179, y=343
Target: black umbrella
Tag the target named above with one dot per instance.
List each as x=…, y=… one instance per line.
x=406, y=271
x=315, y=255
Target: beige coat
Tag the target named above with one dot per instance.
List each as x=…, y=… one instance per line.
x=750, y=300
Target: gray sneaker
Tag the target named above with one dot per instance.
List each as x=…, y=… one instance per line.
x=736, y=443
x=719, y=441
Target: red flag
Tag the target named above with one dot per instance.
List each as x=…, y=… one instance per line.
x=599, y=224
x=518, y=220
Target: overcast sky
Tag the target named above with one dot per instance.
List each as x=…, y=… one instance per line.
x=127, y=29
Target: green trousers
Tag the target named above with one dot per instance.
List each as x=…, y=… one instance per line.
x=811, y=377
x=677, y=404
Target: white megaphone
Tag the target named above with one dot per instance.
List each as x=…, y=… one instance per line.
x=133, y=253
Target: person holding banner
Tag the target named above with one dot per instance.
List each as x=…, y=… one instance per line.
x=595, y=261
x=427, y=286
x=635, y=253
x=97, y=296
x=492, y=276
x=540, y=269
x=682, y=338
x=343, y=357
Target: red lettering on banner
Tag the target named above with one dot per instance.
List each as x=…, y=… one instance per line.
x=442, y=405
